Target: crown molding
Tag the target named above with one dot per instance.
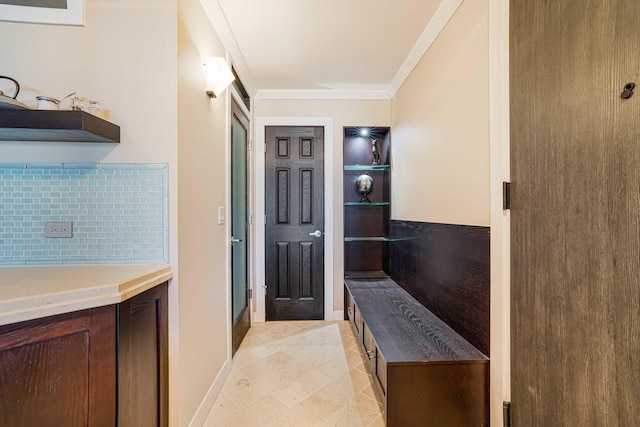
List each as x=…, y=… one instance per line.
x=218, y=19
x=315, y=94
x=440, y=19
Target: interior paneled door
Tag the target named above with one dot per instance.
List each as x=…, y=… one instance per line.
x=295, y=223
x=575, y=237
x=239, y=225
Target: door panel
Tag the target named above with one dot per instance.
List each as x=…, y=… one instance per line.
x=239, y=226
x=295, y=210
x=575, y=213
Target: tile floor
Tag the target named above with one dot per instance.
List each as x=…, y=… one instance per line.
x=304, y=373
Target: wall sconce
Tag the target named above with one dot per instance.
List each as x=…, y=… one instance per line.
x=218, y=75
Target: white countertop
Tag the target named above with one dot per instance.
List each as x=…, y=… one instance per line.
x=31, y=292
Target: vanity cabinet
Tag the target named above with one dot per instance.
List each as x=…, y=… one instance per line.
x=102, y=366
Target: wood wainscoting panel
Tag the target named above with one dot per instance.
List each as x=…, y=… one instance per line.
x=446, y=268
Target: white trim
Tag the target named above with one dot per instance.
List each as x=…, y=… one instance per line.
x=238, y=99
x=227, y=223
x=73, y=14
x=288, y=94
x=212, y=394
x=259, y=177
x=500, y=387
x=219, y=20
x=432, y=30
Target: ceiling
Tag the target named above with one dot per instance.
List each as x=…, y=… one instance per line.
x=365, y=47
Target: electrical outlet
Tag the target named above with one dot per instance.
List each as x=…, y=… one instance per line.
x=58, y=229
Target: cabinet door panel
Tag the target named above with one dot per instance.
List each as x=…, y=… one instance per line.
x=59, y=370
x=142, y=376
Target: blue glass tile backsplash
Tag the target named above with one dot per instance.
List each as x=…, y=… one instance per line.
x=119, y=213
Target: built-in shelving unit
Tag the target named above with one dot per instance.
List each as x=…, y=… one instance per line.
x=366, y=222
x=58, y=126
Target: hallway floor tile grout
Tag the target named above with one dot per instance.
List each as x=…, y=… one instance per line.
x=302, y=373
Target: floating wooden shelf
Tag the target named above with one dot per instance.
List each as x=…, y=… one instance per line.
x=60, y=126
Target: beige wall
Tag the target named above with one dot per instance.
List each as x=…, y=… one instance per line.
x=344, y=113
x=440, y=137
x=202, y=129
x=125, y=56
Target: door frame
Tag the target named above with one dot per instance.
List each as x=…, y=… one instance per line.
x=500, y=343
x=259, y=182
x=236, y=100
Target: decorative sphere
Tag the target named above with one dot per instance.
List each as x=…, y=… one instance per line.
x=364, y=184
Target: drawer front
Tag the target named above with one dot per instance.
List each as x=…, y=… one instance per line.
x=357, y=321
x=381, y=370
x=349, y=305
x=367, y=341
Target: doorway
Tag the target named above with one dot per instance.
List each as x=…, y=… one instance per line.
x=294, y=240
x=240, y=301
x=330, y=235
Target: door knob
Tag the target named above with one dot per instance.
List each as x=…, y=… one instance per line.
x=234, y=240
x=316, y=233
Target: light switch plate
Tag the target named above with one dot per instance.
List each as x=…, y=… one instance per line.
x=58, y=229
x=220, y=215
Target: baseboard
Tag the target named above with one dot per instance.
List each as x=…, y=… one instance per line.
x=207, y=403
x=338, y=315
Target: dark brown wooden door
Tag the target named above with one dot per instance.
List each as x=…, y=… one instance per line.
x=294, y=197
x=575, y=169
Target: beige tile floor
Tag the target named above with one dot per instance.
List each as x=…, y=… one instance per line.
x=304, y=373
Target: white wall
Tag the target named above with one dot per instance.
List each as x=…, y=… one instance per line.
x=440, y=138
x=125, y=57
x=203, y=182
x=344, y=113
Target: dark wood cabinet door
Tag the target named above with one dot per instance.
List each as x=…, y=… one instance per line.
x=143, y=360
x=59, y=370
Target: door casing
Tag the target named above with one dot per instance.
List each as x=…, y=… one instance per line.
x=259, y=182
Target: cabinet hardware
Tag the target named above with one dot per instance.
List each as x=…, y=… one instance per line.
x=627, y=91
x=506, y=414
x=506, y=195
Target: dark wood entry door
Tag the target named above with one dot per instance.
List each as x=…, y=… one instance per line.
x=294, y=197
x=575, y=236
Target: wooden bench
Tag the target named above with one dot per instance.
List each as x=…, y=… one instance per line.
x=427, y=374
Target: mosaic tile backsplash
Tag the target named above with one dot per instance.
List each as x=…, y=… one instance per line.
x=119, y=213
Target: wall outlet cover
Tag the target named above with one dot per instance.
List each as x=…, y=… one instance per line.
x=58, y=229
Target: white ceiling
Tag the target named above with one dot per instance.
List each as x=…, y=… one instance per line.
x=366, y=47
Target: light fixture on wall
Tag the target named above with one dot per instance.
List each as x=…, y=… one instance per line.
x=218, y=75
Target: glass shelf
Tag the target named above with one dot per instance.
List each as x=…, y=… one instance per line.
x=365, y=275
x=366, y=203
x=366, y=239
x=349, y=239
x=365, y=167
